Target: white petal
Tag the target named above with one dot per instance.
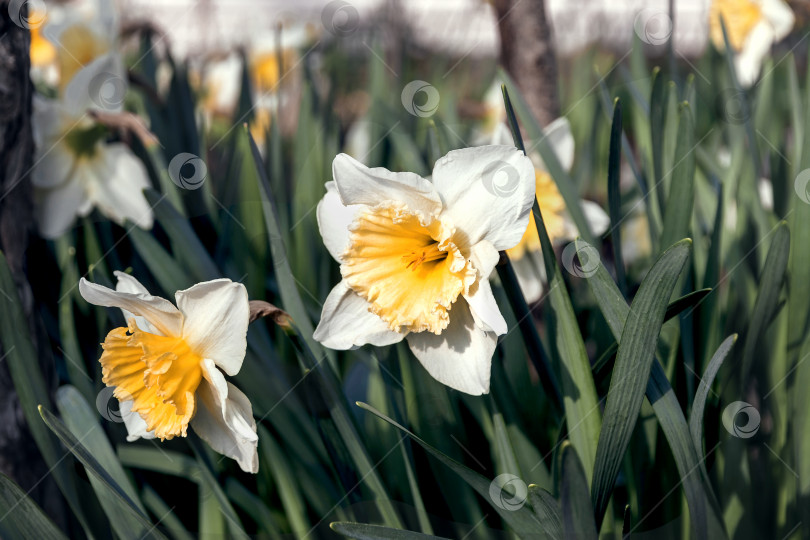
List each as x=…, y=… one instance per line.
x=54, y=165
x=749, y=61
x=224, y=419
x=461, y=356
x=57, y=208
x=346, y=323
x=780, y=17
x=357, y=184
x=216, y=317
x=127, y=283
x=99, y=85
x=558, y=135
x=484, y=257
x=117, y=187
x=159, y=312
x=531, y=275
x=485, y=309
x=334, y=219
x=597, y=219
x=502, y=136
x=487, y=193
x=765, y=190
x=136, y=426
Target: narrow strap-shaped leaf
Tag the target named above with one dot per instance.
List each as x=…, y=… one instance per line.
x=185, y=242
x=521, y=519
x=699, y=404
x=631, y=373
x=93, y=467
x=678, y=209
x=506, y=273
x=83, y=423
x=362, y=531
x=209, y=482
x=547, y=510
x=614, y=194
x=770, y=285
x=21, y=517
x=290, y=297
x=575, y=502
x=661, y=395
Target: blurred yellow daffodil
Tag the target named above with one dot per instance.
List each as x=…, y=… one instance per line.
x=527, y=256
x=753, y=26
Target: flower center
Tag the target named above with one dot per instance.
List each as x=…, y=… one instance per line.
x=159, y=373
x=83, y=141
x=410, y=272
x=431, y=253
x=740, y=17
x=552, y=206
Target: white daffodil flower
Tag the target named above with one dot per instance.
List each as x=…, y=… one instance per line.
x=416, y=254
x=166, y=365
x=753, y=26
x=75, y=169
x=527, y=255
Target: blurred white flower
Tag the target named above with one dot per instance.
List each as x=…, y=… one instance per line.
x=166, y=365
x=527, y=255
x=80, y=32
x=75, y=169
x=753, y=26
x=416, y=254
